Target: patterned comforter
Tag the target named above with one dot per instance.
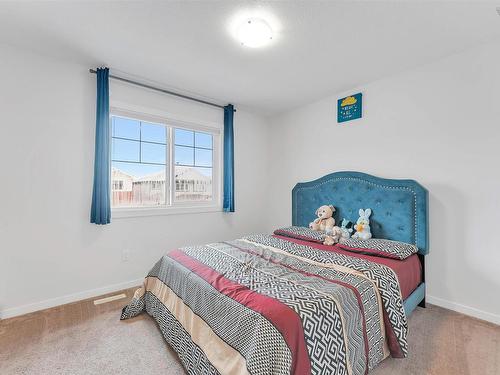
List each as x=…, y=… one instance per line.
x=265, y=305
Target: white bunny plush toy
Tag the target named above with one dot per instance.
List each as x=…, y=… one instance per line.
x=363, y=225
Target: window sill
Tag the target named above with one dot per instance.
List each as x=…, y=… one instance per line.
x=121, y=213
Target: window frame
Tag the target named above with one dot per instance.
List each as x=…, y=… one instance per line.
x=171, y=206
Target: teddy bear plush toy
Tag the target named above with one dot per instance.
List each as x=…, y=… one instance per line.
x=333, y=236
x=324, y=221
x=362, y=226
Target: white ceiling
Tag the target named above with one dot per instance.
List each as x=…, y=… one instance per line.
x=320, y=47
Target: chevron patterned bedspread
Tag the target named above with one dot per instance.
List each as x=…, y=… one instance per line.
x=265, y=305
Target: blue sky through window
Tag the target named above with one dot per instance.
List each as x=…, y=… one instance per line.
x=125, y=128
x=203, y=140
x=125, y=150
x=184, y=137
x=153, y=133
x=202, y=157
x=184, y=155
x=191, y=148
x=133, y=150
x=153, y=153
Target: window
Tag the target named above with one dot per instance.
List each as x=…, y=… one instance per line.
x=193, y=165
x=162, y=164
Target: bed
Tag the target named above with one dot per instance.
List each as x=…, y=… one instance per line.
x=275, y=304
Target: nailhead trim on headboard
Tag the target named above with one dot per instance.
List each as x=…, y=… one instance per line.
x=332, y=179
x=374, y=184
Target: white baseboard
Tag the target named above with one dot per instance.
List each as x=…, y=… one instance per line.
x=466, y=310
x=25, y=309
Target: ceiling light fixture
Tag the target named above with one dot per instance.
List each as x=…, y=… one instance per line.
x=254, y=33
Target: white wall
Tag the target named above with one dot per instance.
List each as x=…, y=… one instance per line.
x=440, y=125
x=49, y=252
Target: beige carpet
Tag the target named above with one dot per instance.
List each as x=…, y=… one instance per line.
x=441, y=342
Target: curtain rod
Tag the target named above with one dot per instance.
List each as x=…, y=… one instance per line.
x=161, y=90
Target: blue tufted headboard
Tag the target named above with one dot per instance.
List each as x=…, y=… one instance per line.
x=399, y=207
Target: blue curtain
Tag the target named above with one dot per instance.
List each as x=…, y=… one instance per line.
x=228, y=200
x=100, y=212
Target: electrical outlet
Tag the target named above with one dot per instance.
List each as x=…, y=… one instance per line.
x=125, y=255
